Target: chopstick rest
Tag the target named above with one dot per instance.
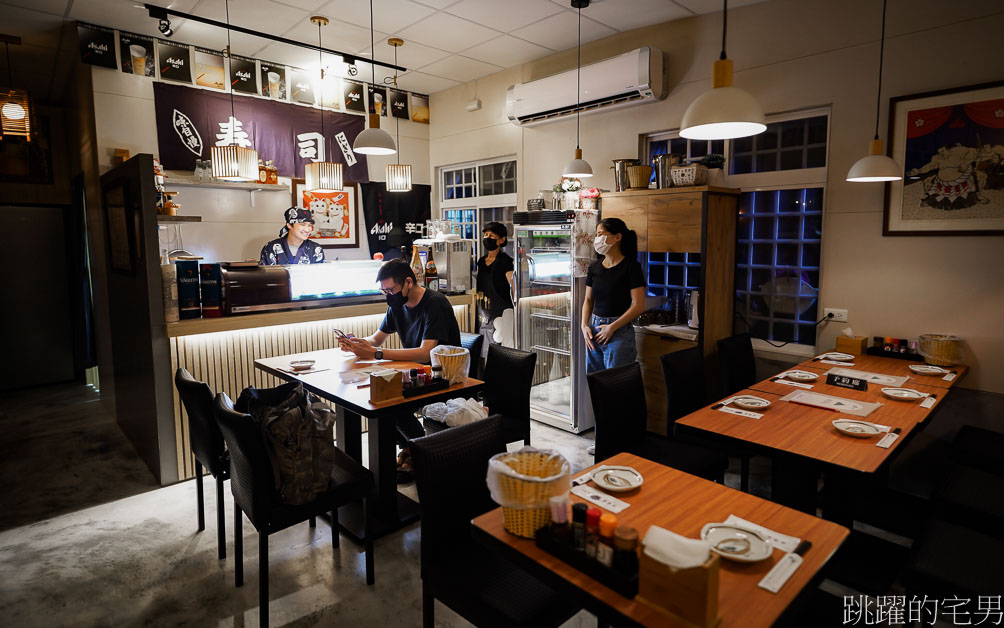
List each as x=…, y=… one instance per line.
x=889, y=439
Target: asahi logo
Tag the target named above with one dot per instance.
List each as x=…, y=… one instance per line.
x=244, y=76
x=98, y=47
x=187, y=132
x=175, y=63
x=385, y=228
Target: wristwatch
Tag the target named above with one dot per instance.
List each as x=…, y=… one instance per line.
x=378, y=355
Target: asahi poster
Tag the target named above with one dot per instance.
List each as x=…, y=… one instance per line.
x=209, y=71
x=175, y=62
x=137, y=54
x=352, y=96
x=97, y=46
x=273, y=80
x=394, y=219
x=190, y=121
x=243, y=75
x=420, y=108
x=399, y=104
x=378, y=100
x=301, y=87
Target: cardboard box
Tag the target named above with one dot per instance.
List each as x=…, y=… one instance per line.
x=854, y=346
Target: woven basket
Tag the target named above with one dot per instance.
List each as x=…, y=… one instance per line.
x=525, y=500
x=639, y=176
x=940, y=350
x=454, y=360
x=686, y=176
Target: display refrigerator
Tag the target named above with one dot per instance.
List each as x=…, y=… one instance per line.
x=554, y=249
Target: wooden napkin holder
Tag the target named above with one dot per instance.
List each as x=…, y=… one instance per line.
x=688, y=594
x=855, y=345
x=383, y=390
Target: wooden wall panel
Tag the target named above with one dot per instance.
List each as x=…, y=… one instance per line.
x=674, y=223
x=719, y=270
x=633, y=210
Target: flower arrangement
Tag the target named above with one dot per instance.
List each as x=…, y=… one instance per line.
x=589, y=193
x=567, y=185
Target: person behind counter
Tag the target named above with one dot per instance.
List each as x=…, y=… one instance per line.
x=495, y=270
x=423, y=319
x=293, y=246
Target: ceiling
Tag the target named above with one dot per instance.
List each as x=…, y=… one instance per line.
x=447, y=42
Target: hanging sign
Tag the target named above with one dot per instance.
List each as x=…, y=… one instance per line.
x=301, y=87
x=243, y=75
x=420, y=108
x=399, y=104
x=378, y=100
x=273, y=80
x=136, y=53
x=175, y=62
x=353, y=96
x=394, y=219
x=97, y=46
x=209, y=71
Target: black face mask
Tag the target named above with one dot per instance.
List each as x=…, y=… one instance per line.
x=397, y=299
x=490, y=244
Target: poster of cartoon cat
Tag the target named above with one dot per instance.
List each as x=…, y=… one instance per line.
x=336, y=224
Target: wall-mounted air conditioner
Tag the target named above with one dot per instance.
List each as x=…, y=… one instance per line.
x=632, y=78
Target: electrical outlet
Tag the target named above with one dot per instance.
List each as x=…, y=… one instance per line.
x=839, y=316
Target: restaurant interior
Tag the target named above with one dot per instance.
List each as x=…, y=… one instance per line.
x=784, y=405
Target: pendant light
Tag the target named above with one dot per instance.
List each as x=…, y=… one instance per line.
x=15, y=107
x=233, y=162
x=398, y=175
x=578, y=167
x=724, y=112
x=374, y=140
x=322, y=176
x=876, y=166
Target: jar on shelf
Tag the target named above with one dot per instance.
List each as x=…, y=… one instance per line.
x=272, y=177
x=262, y=172
x=170, y=207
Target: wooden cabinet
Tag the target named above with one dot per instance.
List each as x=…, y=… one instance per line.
x=686, y=220
x=650, y=347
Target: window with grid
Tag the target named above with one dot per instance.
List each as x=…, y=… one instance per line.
x=786, y=145
x=465, y=222
x=777, y=263
x=672, y=276
x=497, y=178
x=459, y=183
x=688, y=149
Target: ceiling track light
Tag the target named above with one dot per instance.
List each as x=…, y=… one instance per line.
x=322, y=176
x=165, y=28
x=876, y=166
x=724, y=112
x=578, y=167
x=374, y=140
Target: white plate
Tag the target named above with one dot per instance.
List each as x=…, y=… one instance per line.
x=617, y=479
x=927, y=369
x=301, y=365
x=838, y=357
x=857, y=429
x=749, y=402
x=903, y=394
x=800, y=376
x=735, y=543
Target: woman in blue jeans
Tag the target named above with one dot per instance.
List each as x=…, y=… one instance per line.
x=615, y=296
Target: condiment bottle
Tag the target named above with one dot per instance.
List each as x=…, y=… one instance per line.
x=437, y=372
x=406, y=378
x=626, y=550
x=605, y=546
x=560, y=530
x=888, y=344
x=592, y=531
x=579, y=526
x=431, y=275
x=416, y=380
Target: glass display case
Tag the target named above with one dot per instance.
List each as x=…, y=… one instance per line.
x=253, y=288
x=333, y=279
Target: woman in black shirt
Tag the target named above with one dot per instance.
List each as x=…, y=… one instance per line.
x=615, y=296
x=495, y=270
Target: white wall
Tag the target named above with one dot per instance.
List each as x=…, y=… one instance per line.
x=230, y=229
x=794, y=54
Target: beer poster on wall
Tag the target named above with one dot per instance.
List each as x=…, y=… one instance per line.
x=378, y=100
x=97, y=46
x=273, y=80
x=209, y=70
x=399, y=104
x=175, y=62
x=301, y=87
x=420, y=108
x=352, y=96
x=330, y=92
x=137, y=55
x=243, y=75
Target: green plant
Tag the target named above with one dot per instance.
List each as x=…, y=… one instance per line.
x=713, y=160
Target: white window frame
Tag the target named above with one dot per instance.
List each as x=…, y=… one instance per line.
x=477, y=201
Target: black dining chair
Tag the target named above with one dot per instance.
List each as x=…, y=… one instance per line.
x=508, y=378
x=450, y=471
x=686, y=385
x=473, y=343
x=253, y=486
x=736, y=363
x=207, y=446
x=618, y=396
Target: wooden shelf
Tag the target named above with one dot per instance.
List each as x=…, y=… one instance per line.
x=675, y=190
x=161, y=218
x=182, y=182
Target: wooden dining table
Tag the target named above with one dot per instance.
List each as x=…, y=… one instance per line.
x=681, y=503
x=393, y=510
x=893, y=366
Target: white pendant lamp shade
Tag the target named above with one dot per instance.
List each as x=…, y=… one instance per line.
x=398, y=178
x=374, y=140
x=874, y=167
x=234, y=163
x=323, y=176
x=578, y=167
x=724, y=112
x=15, y=113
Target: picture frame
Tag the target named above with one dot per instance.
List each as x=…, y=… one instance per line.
x=336, y=215
x=950, y=144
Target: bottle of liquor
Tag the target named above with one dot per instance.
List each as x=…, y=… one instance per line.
x=431, y=276
x=417, y=267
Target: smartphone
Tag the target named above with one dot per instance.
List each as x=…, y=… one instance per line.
x=341, y=334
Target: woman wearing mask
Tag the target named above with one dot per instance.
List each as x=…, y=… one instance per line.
x=615, y=296
x=495, y=270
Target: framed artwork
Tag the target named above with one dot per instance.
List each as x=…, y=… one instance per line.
x=336, y=220
x=951, y=146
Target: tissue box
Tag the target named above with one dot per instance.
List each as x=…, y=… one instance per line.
x=383, y=390
x=690, y=594
x=855, y=345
